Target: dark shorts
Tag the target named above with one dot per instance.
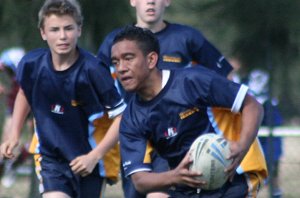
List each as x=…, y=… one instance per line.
x=56, y=175
x=158, y=165
x=238, y=188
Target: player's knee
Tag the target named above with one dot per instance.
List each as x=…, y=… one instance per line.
x=55, y=194
x=157, y=195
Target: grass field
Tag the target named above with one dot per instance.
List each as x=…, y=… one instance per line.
x=289, y=174
x=290, y=177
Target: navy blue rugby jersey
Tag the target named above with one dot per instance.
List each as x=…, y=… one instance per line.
x=65, y=103
x=180, y=46
x=171, y=121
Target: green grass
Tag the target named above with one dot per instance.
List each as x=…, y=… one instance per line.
x=289, y=175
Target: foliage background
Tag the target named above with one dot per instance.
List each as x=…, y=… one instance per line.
x=262, y=34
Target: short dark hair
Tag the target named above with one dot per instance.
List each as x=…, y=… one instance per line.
x=144, y=38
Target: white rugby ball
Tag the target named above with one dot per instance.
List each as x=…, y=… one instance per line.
x=209, y=153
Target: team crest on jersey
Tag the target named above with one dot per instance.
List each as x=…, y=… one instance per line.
x=171, y=132
x=172, y=59
x=58, y=109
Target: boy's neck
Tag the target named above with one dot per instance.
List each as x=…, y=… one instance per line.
x=152, y=87
x=154, y=27
x=64, y=62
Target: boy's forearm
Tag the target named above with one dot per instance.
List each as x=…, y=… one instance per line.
x=252, y=115
x=146, y=182
x=20, y=113
x=110, y=139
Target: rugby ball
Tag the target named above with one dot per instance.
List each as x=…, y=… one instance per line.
x=209, y=153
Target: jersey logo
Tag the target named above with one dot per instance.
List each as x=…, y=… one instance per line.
x=126, y=164
x=58, y=109
x=171, y=132
x=188, y=112
x=171, y=59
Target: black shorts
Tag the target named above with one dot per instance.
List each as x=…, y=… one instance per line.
x=238, y=188
x=56, y=175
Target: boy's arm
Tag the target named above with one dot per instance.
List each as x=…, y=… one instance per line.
x=146, y=182
x=85, y=164
x=21, y=110
x=252, y=114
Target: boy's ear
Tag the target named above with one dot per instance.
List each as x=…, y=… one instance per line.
x=132, y=3
x=167, y=3
x=152, y=59
x=43, y=34
x=79, y=30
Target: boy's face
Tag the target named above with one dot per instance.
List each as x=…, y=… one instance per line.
x=132, y=66
x=61, y=33
x=149, y=11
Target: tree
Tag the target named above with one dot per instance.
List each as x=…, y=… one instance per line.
x=101, y=17
x=18, y=22
x=262, y=34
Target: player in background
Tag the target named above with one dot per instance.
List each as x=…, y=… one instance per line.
x=9, y=60
x=66, y=90
x=181, y=47
x=169, y=110
x=258, y=82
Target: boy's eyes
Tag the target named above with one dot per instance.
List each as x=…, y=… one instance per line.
x=66, y=28
x=54, y=29
x=114, y=62
x=69, y=28
x=128, y=58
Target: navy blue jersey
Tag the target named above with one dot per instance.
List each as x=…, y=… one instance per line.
x=65, y=103
x=180, y=46
x=172, y=120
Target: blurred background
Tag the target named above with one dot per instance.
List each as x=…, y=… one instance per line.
x=259, y=34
